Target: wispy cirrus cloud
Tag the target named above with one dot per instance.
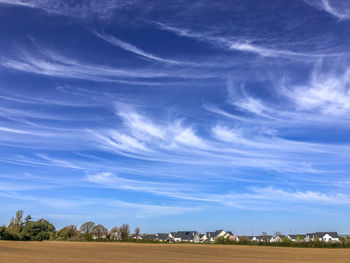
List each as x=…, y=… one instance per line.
x=133, y=49
x=339, y=9
x=327, y=91
x=83, y=10
x=53, y=64
x=242, y=44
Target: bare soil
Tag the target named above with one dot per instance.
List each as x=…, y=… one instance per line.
x=85, y=252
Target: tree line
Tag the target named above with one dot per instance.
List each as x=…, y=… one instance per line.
x=25, y=229
x=286, y=242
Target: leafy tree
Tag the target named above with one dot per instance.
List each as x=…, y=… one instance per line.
x=99, y=231
x=299, y=238
x=244, y=240
x=6, y=235
x=223, y=240
x=16, y=223
x=124, y=232
x=68, y=232
x=39, y=230
x=27, y=219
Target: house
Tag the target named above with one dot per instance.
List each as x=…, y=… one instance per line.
x=162, y=237
x=185, y=236
x=252, y=238
x=264, y=238
x=297, y=238
x=211, y=236
x=202, y=238
x=277, y=238
x=149, y=236
x=323, y=236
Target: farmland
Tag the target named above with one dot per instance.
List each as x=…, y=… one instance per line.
x=105, y=252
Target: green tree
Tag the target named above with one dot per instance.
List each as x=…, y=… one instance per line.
x=27, y=219
x=39, y=230
x=16, y=223
x=244, y=240
x=68, y=232
x=6, y=235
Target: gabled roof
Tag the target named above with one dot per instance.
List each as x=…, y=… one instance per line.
x=162, y=236
x=322, y=234
x=185, y=235
x=214, y=234
x=281, y=236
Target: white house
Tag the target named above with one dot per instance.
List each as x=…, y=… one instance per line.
x=202, y=238
x=277, y=238
x=211, y=236
x=323, y=236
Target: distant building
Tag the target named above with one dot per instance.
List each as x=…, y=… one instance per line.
x=323, y=236
x=277, y=238
x=211, y=236
x=185, y=236
x=297, y=238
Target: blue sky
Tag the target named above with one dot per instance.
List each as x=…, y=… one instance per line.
x=173, y=115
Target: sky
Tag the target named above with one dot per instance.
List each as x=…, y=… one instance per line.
x=177, y=115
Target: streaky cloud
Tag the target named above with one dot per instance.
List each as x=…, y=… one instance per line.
x=341, y=12
x=133, y=49
x=242, y=44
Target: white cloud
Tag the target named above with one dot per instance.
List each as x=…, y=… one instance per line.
x=17, y=2
x=133, y=49
x=302, y=196
x=50, y=63
x=241, y=44
x=328, y=92
x=225, y=134
x=188, y=137
x=102, y=9
x=338, y=8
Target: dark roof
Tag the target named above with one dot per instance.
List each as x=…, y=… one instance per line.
x=214, y=234
x=150, y=236
x=263, y=237
x=322, y=234
x=162, y=236
x=185, y=235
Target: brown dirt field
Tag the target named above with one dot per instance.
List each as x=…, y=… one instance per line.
x=85, y=252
